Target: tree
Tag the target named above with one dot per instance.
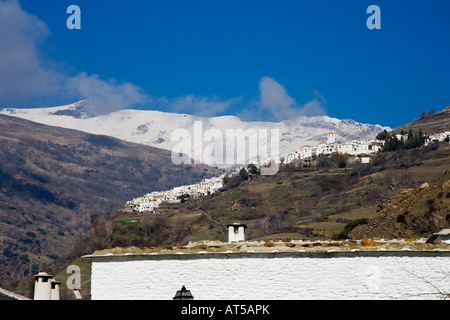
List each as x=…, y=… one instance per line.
x=146, y=225
x=392, y=143
x=243, y=174
x=382, y=135
x=181, y=227
x=323, y=162
x=423, y=115
x=339, y=159
x=252, y=169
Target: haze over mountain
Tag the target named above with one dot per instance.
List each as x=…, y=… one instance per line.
x=154, y=128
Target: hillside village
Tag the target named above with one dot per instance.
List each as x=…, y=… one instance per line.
x=439, y=137
x=361, y=150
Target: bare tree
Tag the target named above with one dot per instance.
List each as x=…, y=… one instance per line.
x=146, y=225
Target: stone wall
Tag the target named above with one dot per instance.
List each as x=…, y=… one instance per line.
x=212, y=276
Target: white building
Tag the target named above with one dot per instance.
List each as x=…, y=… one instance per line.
x=330, y=146
x=147, y=206
x=270, y=271
x=401, y=137
x=439, y=137
x=331, y=137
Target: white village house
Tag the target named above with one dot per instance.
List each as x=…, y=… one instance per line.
x=439, y=137
x=152, y=200
x=356, y=147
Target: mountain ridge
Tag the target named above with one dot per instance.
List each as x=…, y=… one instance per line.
x=430, y=123
x=155, y=128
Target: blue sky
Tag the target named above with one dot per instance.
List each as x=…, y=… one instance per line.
x=260, y=60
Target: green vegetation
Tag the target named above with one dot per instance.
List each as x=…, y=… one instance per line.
x=392, y=143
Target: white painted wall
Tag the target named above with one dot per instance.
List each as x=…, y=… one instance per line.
x=272, y=277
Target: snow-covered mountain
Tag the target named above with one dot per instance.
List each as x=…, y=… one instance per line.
x=155, y=128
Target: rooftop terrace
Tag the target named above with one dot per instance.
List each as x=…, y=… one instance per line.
x=293, y=246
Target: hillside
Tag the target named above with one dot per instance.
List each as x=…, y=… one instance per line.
x=319, y=202
x=430, y=123
x=323, y=201
x=415, y=212
x=53, y=181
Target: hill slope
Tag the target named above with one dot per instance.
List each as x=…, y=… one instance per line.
x=430, y=124
x=52, y=180
x=298, y=202
x=415, y=212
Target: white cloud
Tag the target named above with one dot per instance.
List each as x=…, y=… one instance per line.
x=197, y=105
x=23, y=72
x=27, y=76
x=275, y=100
x=108, y=95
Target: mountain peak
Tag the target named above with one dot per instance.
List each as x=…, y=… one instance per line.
x=80, y=110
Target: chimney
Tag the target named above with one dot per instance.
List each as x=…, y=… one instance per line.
x=45, y=287
x=236, y=232
x=55, y=289
x=42, y=286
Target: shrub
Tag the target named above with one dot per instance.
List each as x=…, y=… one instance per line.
x=243, y=174
x=349, y=227
x=31, y=234
x=119, y=241
x=42, y=231
x=138, y=242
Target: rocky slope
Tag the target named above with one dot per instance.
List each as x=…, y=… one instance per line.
x=415, y=212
